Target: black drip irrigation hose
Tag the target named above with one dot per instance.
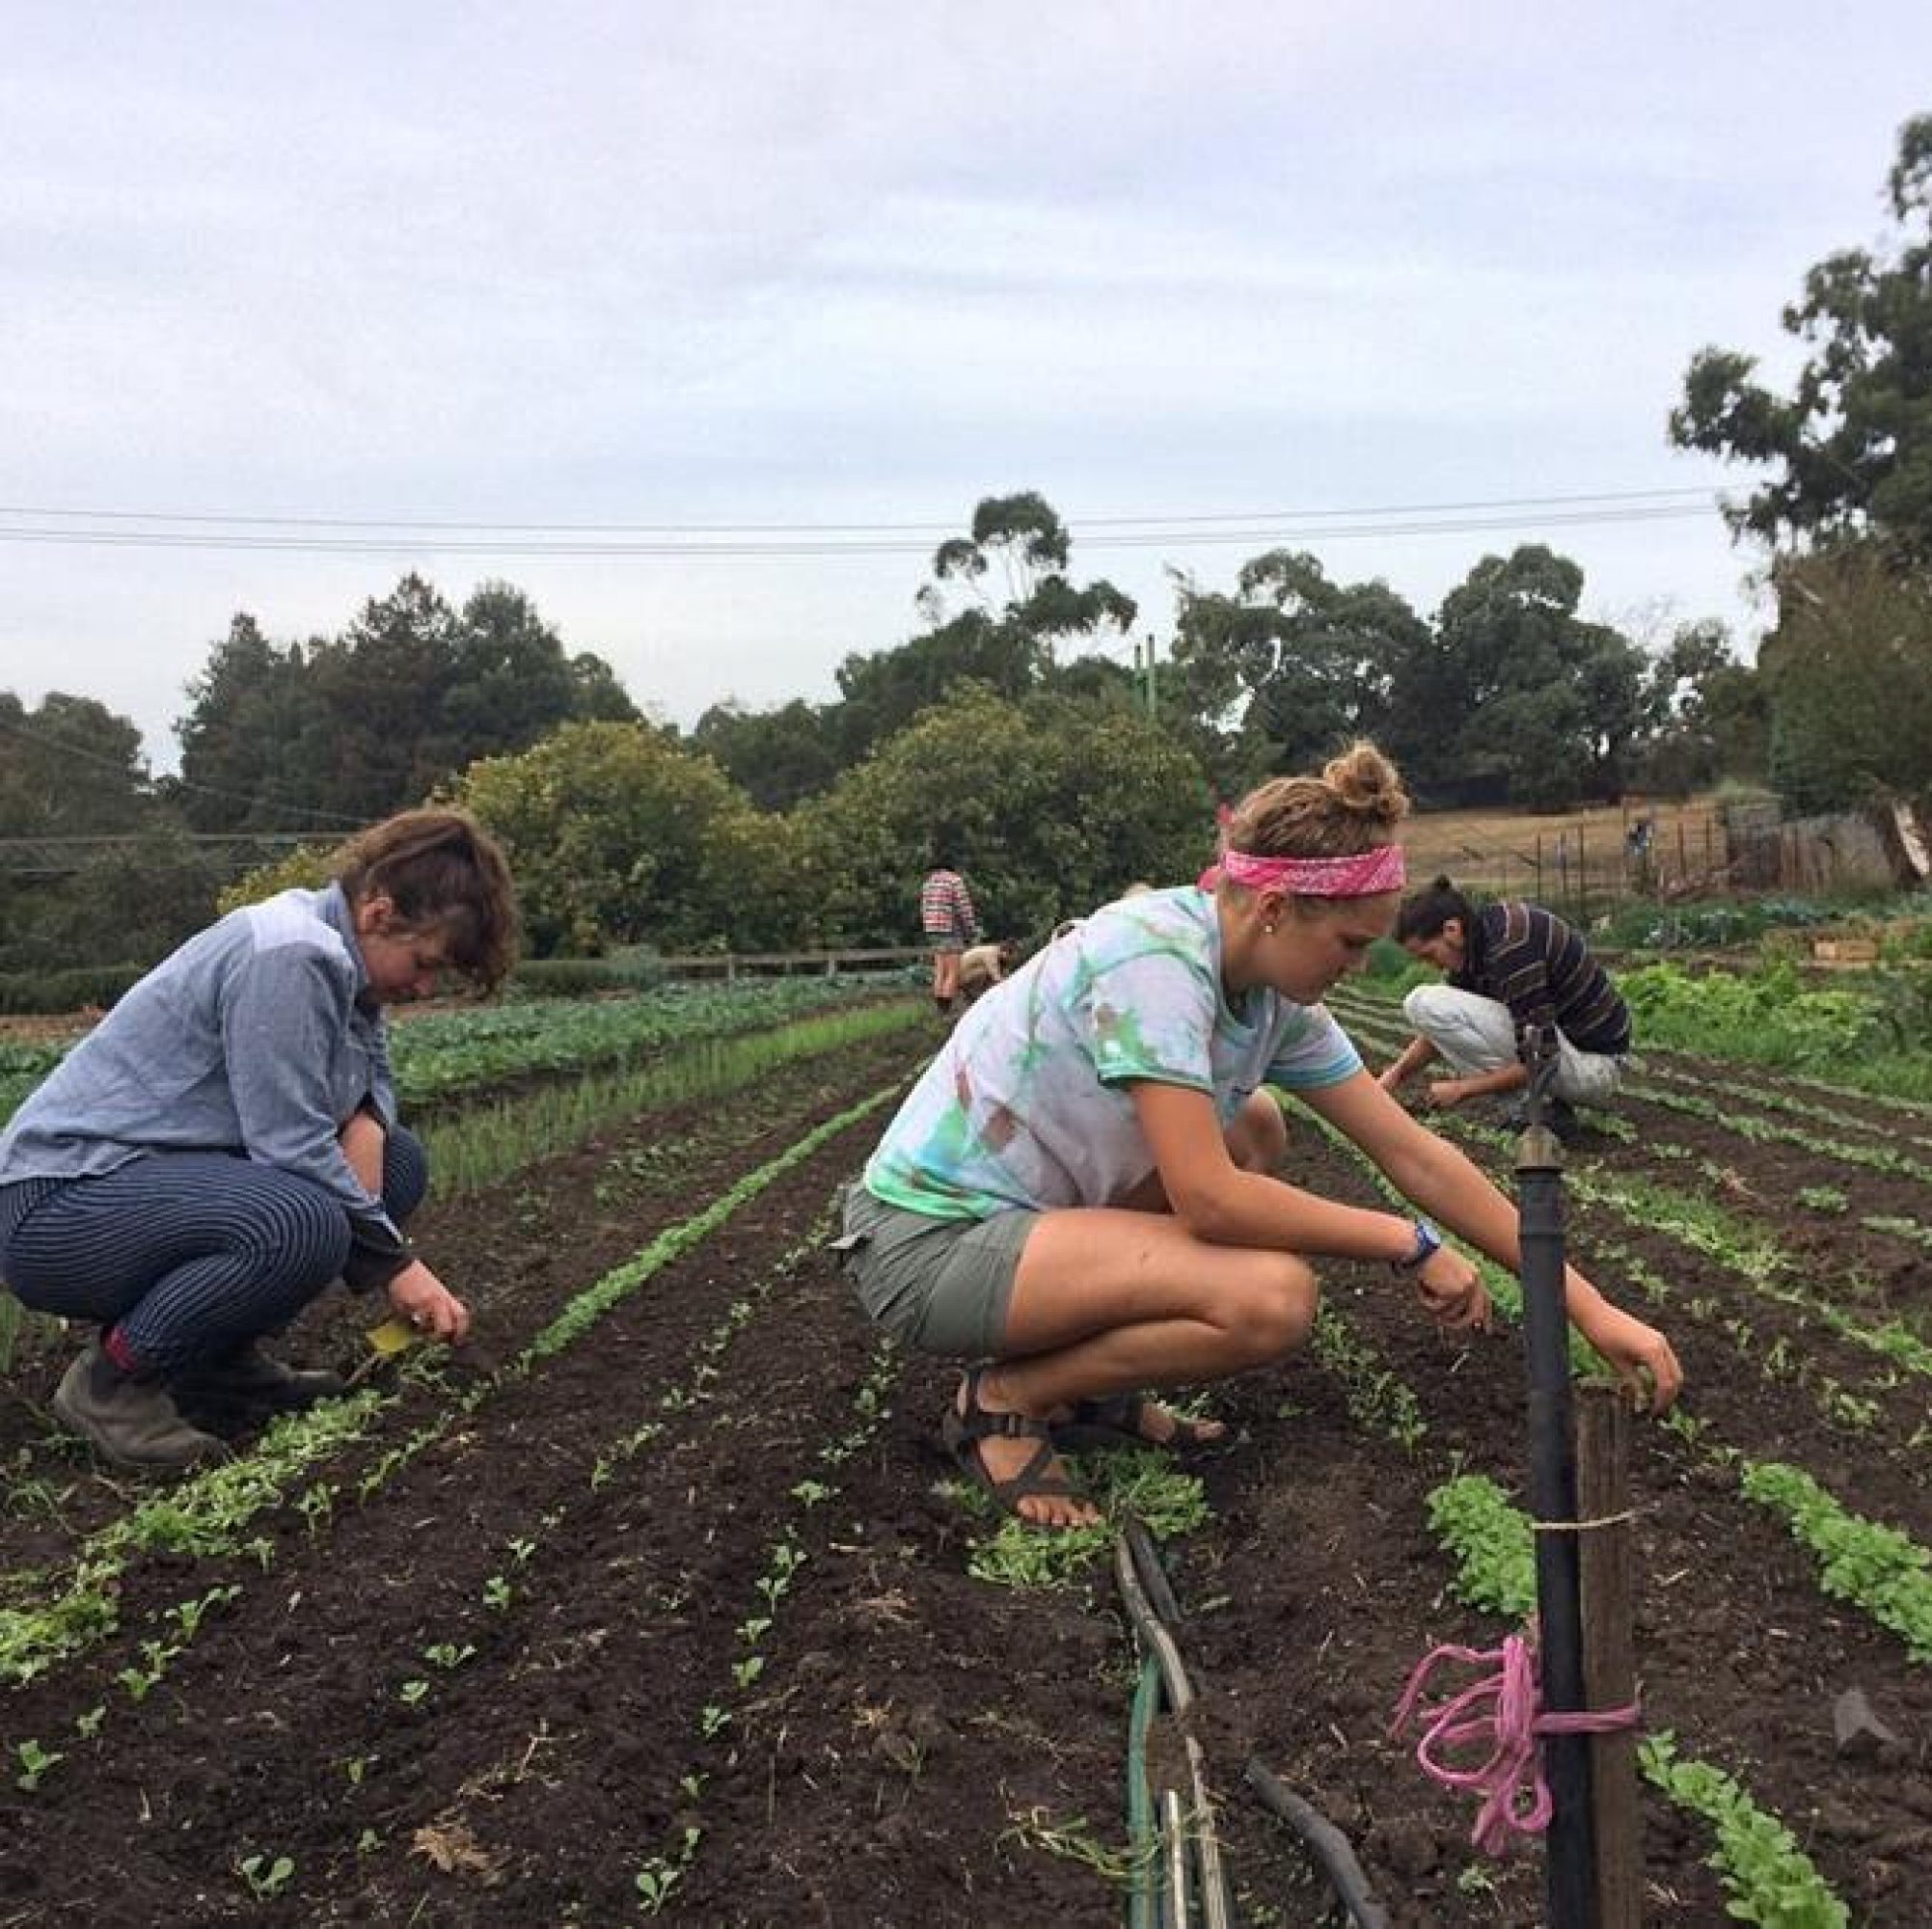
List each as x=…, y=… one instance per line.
x=1153, y=1575
x=1155, y=1903
x=1146, y=1899
x=1326, y=1843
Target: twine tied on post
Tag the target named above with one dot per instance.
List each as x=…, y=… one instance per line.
x=1500, y=1709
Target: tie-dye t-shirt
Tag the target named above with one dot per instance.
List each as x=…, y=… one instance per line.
x=1028, y=1105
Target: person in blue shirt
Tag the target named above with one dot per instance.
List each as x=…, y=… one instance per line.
x=225, y=1143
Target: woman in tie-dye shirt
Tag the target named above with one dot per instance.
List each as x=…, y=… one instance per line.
x=1078, y=1193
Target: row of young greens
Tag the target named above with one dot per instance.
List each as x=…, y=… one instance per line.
x=525, y=1580
x=1907, y=1125
x=441, y=1054
x=1751, y=1254
x=445, y=1052
x=1872, y=1566
x=1768, y=1878
x=1726, y=1232
x=1765, y=1872
x=480, y=1146
x=54, y=1616
x=659, y=1873
x=489, y=1141
x=1733, y=1242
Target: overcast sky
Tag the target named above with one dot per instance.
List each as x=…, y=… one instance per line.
x=667, y=267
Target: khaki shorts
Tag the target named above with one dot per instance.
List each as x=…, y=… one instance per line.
x=940, y=1285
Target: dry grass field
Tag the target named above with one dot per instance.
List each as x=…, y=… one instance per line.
x=1566, y=857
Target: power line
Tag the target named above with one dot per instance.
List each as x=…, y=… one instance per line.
x=1163, y=520
x=694, y=544
x=88, y=757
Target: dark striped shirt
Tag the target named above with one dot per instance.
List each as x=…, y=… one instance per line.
x=1530, y=959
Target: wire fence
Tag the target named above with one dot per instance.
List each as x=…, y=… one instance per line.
x=1585, y=864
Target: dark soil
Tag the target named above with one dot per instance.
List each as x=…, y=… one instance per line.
x=919, y=1747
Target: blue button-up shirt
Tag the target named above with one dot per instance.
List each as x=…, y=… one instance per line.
x=254, y=1037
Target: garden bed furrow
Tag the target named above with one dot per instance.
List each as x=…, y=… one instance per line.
x=397, y=1579
x=1747, y=1660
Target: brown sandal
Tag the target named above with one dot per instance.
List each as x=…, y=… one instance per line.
x=962, y=1434
x=1114, y=1419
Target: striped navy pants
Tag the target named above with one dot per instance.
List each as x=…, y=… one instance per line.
x=189, y=1254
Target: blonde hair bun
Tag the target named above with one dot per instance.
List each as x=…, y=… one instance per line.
x=1353, y=806
x=1367, y=784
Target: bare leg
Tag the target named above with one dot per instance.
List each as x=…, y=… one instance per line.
x=946, y=978
x=1119, y=1297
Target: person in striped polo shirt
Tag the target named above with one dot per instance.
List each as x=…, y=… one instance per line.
x=1511, y=966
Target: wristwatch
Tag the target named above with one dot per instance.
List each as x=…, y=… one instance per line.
x=1427, y=1244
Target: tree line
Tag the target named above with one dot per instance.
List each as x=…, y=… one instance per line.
x=1008, y=724
x=1012, y=723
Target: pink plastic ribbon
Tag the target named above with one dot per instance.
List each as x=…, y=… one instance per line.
x=1359, y=877
x=1501, y=1710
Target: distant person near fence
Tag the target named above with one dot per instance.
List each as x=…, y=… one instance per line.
x=983, y=965
x=951, y=925
x=1510, y=965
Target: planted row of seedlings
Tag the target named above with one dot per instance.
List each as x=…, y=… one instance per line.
x=1878, y=1566
x=1699, y=1234
x=437, y=1615
x=1854, y=1171
x=208, y=1515
x=704, y=1125
x=1767, y=1877
x=445, y=1053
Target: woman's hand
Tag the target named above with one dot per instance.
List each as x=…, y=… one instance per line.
x=416, y=1294
x=1452, y=1291
x=1644, y=1360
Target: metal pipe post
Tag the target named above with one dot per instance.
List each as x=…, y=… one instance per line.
x=1572, y=1878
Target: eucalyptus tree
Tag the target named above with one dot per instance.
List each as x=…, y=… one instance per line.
x=1850, y=445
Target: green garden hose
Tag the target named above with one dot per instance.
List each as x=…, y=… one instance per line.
x=1144, y=1898
x=1216, y=1904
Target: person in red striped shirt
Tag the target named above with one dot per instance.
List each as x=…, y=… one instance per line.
x=947, y=917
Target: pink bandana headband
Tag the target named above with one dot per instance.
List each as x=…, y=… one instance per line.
x=1373, y=872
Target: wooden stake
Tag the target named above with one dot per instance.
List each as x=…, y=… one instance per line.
x=1609, y=1650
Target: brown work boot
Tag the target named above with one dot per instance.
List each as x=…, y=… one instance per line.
x=249, y=1376
x=134, y=1423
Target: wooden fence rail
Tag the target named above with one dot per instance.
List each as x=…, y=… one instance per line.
x=731, y=964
